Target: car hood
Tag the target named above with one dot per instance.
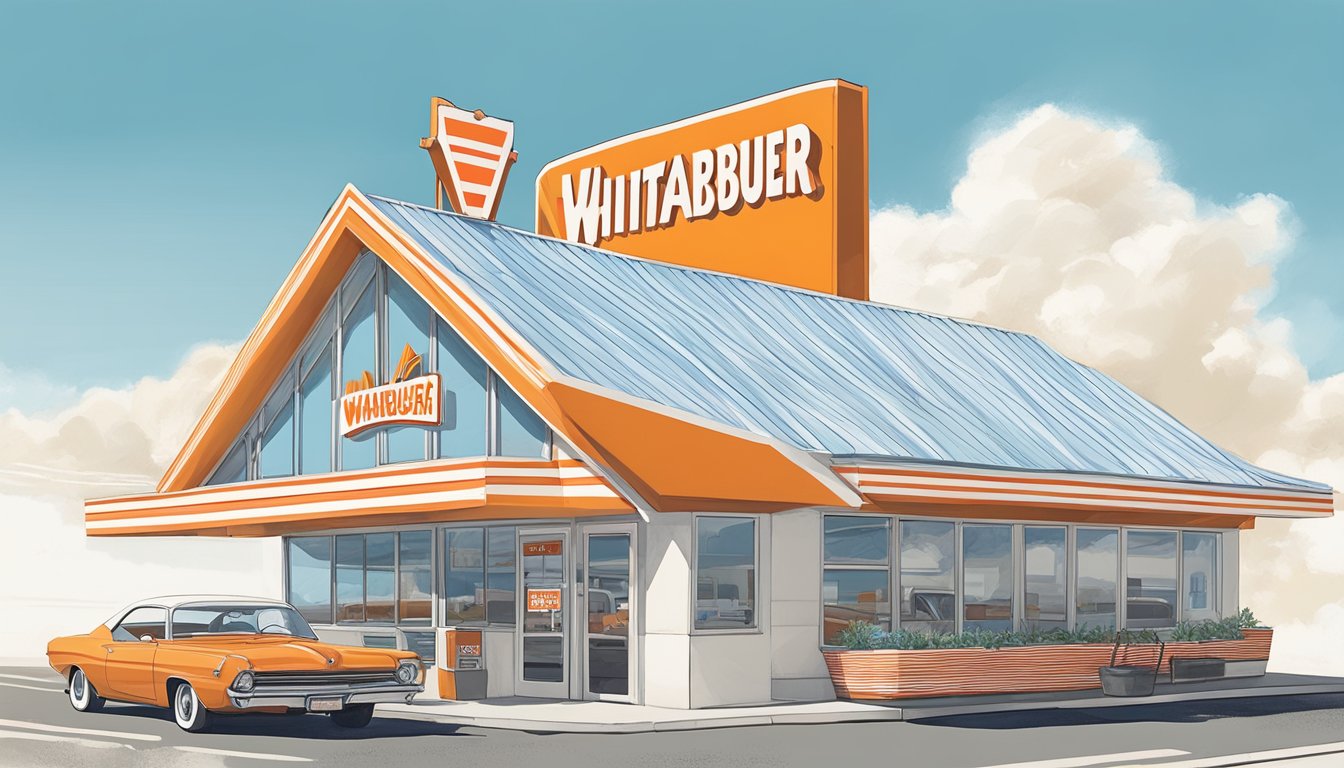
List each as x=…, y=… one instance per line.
x=293, y=654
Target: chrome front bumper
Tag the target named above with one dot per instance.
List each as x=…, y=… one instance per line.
x=297, y=697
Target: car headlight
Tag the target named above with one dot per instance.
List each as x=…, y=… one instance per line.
x=407, y=672
x=244, y=682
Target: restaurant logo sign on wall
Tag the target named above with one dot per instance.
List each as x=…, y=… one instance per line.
x=406, y=400
x=472, y=154
x=775, y=189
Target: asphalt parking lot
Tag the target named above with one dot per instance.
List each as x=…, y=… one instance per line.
x=38, y=728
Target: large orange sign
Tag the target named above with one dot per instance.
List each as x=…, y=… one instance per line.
x=775, y=189
x=472, y=154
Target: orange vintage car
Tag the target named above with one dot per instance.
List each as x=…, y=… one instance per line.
x=206, y=654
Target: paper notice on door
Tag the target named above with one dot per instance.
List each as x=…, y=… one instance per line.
x=543, y=599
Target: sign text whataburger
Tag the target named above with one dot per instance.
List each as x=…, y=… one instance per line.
x=598, y=206
x=413, y=401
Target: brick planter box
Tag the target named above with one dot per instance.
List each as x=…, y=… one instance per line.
x=893, y=674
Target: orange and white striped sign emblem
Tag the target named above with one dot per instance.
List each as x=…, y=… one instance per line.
x=472, y=154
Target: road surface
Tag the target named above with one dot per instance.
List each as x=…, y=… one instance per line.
x=38, y=728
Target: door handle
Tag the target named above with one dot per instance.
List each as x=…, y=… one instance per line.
x=107, y=648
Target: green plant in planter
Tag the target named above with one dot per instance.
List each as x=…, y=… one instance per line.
x=1215, y=629
x=862, y=635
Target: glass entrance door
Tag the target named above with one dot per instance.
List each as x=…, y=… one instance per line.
x=608, y=596
x=543, y=658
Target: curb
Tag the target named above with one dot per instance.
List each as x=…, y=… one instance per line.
x=645, y=726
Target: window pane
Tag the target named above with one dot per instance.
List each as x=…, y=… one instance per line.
x=1199, y=559
x=415, y=595
x=928, y=583
x=852, y=539
x=521, y=431
x=277, y=445
x=141, y=622
x=315, y=427
x=233, y=469
x=1098, y=566
x=500, y=576
x=987, y=576
x=350, y=578
x=463, y=576
x=380, y=585
x=358, y=358
x=407, y=325
x=855, y=595
x=310, y=577
x=725, y=576
x=1150, y=579
x=1046, y=568
x=462, y=374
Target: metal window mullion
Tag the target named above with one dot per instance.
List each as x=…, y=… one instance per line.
x=1180, y=576
x=895, y=539
x=959, y=581
x=1071, y=577
x=380, y=346
x=1122, y=581
x=491, y=413
x=1017, y=543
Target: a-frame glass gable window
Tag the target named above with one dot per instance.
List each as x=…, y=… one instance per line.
x=406, y=355
x=465, y=381
x=375, y=331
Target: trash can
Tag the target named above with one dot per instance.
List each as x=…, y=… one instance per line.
x=461, y=665
x=1131, y=679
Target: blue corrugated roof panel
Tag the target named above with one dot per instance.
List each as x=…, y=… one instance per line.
x=844, y=377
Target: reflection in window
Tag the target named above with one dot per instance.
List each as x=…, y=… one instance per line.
x=350, y=578
x=1098, y=566
x=725, y=572
x=500, y=577
x=463, y=376
x=408, y=319
x=987, y=576
x=464, y=576
x=309, y=582
x=1199, y=562
x=1046, y=568
x=415, y=589
x=1150, y=579
x=928, y=581
x=315, y=423
x=359, y=364
x=380, y=581
x=233, y=469
x=522, y=433
x=277, y=444
x=856, y=581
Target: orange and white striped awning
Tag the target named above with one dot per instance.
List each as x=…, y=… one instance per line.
x=432, y=491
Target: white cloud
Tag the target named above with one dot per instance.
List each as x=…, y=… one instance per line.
x=107, y=442
x=1068, y=228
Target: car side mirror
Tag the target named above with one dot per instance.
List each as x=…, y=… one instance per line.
x=146, y=638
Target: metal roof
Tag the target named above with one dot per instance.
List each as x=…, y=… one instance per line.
x=822, y=373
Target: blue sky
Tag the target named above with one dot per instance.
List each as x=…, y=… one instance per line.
x=162, y=165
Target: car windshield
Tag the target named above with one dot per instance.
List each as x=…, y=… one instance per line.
x=239, y=619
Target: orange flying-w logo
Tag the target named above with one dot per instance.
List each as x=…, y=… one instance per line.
x=472, y=154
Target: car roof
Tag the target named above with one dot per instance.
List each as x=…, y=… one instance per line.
x=173, y=601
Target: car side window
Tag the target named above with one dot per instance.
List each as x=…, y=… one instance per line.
x=141, y=622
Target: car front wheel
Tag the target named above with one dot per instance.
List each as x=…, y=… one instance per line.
x=82, y=695
x=188, y=711
x=354, y=716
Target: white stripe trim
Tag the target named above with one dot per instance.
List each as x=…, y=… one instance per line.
x=313, y=508
x=462, y=141
x=1098, y=501
x=390, y=480
x=883, y=483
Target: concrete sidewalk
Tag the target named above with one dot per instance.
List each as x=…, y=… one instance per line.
x=552, y=716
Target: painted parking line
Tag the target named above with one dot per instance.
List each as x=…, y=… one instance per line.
x=1253, y=758
x=27, y=726
x=248, y=755
x=1089, y=760
x=32, y=687
x=49, y=680
x=93, y=743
